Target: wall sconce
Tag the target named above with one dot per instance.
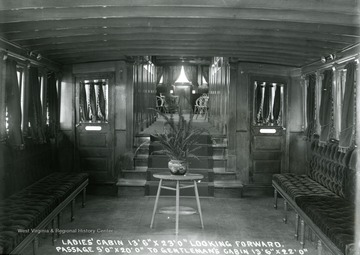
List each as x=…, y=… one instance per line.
x=325, y=59
x=171, y=91
x=5, y=56
x=193, y=91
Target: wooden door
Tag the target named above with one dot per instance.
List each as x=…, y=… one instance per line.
x=268, y=132
x=95, y=126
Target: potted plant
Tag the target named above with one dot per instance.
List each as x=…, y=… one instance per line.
x=178, y=141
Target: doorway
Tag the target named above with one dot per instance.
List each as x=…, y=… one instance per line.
x=183, y=92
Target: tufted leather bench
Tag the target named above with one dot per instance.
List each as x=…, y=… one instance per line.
x=319, y=196
x=36, y=207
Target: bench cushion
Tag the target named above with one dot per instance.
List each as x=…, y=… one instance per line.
x=334, y=216
x=300, y=185
x=26, y=209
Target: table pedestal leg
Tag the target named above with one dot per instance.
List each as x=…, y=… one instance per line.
x=198, y=204
x=177, y=207
x=156, y=203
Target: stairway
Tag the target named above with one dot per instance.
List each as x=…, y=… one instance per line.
x=220, y=179
x=226, y=183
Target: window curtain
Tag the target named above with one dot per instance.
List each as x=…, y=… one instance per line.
x=310, y=106
x=53, y=105
x=205, y=73
x=84, y=113
x=15, y=139
x=159, y=73
x=325, y=110
x=101, y=102
x=191, y=74
x=347, y=112
x=35, y=109
x=94, y=116
x=174, y=74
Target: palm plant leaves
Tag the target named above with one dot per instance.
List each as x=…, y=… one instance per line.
x=178, y=140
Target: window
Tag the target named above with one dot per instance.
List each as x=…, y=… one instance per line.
x=93, y=105
x=182, y=77
x=268, y=103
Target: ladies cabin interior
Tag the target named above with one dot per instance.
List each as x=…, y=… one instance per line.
x=86, y=84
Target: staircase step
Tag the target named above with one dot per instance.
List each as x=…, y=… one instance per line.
x=228, y=188
x=221, y=174
x=219, y=151
x=139, y=174
x=141, y=168
x=205, y=189
x=130, y=187
x=141, y=139
x=131, y=182
x=219, y=161
x=141, y=161
x=219, y=140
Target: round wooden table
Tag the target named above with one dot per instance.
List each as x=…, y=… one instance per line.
x=178, y=178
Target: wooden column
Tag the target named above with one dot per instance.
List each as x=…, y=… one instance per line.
x=2, y=96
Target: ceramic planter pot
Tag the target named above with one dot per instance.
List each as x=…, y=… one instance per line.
x=178, y=167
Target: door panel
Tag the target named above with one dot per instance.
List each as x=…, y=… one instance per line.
x=267, y=152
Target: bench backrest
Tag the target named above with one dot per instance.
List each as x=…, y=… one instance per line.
x=330, y=167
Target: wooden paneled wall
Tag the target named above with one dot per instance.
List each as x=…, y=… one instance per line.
x=144, y=80
x=219, y=82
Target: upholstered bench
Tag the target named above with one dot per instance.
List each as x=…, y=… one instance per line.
x=322, y=191
x=36, y=207
x=334, y=217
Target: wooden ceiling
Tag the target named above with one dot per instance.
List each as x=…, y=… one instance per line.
x=283, y=32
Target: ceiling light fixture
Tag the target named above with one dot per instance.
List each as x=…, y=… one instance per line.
x=328, y=58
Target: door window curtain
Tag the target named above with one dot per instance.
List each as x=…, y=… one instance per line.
x=325, y=111
x=101, y=102
x=35, y=108
x=191, y=74
x=277, y=105
x=53, y=105
x=84, y=113
x=93, y=112
x=310, y=107
x=15, y=139
x=347, y=113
